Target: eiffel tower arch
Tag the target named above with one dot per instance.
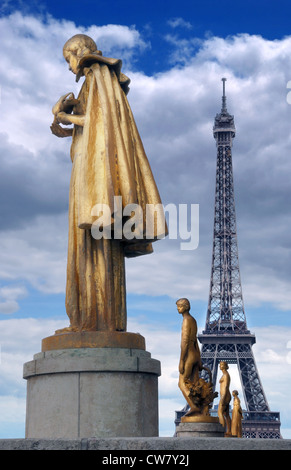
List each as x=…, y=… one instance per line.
x=226, y=336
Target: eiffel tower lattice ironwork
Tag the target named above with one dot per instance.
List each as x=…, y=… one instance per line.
x=226, y=336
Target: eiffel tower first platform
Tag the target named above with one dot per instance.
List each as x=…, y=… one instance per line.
x=226, y=336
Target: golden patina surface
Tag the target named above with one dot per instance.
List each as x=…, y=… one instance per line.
x=199, y=418
x=225, y=398
x=93, y=339
x=108, y=161
x=237, y=416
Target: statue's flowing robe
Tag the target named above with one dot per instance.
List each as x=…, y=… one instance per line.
x=108, y=160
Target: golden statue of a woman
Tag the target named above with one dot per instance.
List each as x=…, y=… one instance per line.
x=225, y=397
x=109, y=161
x=236, y=419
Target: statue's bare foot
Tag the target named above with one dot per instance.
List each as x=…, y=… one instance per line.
x=68, y=329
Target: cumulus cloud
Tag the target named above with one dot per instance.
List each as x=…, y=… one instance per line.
x=36, y=253
x=257, y=72
x=174, y=111
x=179, y=22
x=19, y=340
x=118, y=40
x=9, y=297
x=34, y=73
x=35, y=165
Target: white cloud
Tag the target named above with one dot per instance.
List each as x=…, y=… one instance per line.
x=36, y=254
x=167, y=408
x=34, y=73
x=174, y=111
x=179, y=23
x=12, y=417
x=8, y=298
x=19, y=340
x=118, y=39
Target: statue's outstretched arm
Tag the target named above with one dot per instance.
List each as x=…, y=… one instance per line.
x=61, y=110
x=66, y=119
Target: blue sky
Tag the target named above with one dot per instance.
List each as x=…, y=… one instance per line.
x=175, y=54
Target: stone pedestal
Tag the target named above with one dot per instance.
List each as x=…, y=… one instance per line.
x=198, y=429
x=93, y=339
x=92, y=392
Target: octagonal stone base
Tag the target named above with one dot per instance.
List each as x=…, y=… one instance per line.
x=199, y=429
x=92, y=392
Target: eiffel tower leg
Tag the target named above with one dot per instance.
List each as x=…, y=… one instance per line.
x=259, y=421
x=254, y=396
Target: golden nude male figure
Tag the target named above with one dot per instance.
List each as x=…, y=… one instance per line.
x=190, y=359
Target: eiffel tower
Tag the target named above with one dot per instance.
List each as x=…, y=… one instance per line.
x=226, y=336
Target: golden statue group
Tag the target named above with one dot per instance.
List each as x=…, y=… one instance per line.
x=109, y=162
x=197, y=391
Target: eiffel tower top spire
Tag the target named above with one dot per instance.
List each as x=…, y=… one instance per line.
x=223, y=109
x=224, y=122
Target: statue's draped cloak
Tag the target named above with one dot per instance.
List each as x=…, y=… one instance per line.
x=108, y=160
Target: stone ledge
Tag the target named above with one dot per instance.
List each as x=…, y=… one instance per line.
x=91, y=359
x=147, y=444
